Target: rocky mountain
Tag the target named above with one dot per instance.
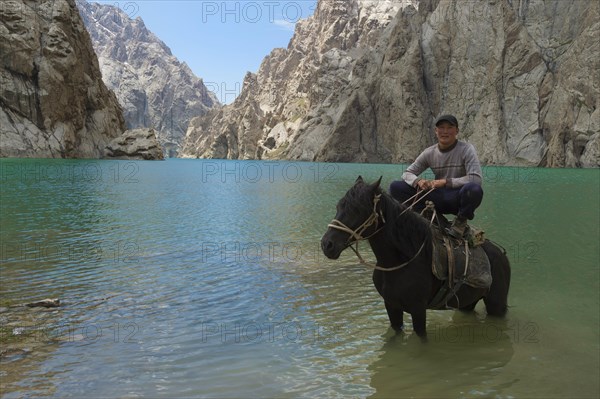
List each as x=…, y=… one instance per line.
x=53, y=102
x=360, y=82
x=154, y=88
x=318, y=61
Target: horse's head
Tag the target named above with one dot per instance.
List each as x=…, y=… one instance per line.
x=358, y=217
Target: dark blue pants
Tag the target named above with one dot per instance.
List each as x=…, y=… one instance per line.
x=458, y=201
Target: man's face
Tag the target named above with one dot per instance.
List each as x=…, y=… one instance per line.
x=446, y=133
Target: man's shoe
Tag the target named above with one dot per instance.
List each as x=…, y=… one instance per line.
x=459, y=225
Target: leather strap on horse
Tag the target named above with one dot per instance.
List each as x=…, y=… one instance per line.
x=449, y=290
x=451, y=264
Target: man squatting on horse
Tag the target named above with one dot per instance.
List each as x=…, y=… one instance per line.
x=457, y=173
x=456, y=189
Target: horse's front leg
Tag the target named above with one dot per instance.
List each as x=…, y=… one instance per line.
x=419, y=318
x=396, y=316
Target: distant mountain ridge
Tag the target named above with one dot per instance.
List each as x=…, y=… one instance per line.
x=154, y=88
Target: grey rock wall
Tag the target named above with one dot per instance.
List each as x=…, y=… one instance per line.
x=363, y=82
x=290, y=82
x=53, y=102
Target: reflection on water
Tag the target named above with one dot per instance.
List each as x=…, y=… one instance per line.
x=205, y=278
x=462, y=359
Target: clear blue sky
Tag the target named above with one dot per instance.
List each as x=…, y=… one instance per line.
x=220, y=40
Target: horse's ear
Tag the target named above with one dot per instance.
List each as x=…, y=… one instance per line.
x=375, y=186
x=359, y=179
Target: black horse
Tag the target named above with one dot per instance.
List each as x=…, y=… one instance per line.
x=400, y=237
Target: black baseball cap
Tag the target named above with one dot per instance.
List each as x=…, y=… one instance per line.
x=446, y=118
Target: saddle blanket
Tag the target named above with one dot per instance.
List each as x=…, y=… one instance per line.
x=450, y=259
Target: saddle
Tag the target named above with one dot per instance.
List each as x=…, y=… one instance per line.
x=457, y=262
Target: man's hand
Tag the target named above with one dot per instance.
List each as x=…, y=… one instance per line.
x=438, y=183
x=425, y=184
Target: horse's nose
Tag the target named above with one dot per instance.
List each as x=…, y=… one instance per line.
x=329, y=248
x=326, y=245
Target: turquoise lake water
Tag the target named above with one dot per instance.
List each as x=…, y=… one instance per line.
x=204, y=278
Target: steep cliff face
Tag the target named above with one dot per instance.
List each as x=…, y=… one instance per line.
x=317, y=62
x=520, y=75
x=154, y=88
x=53, y=102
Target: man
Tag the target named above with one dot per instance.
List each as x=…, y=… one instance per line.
x=457, y=173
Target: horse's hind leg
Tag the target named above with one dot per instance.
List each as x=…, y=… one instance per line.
x=396, y=316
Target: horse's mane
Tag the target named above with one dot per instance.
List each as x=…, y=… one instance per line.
x=406, y=230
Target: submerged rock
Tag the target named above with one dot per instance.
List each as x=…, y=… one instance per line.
x=45, y=303
x=135, y=144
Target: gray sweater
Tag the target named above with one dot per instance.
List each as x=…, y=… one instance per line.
x=458, y=166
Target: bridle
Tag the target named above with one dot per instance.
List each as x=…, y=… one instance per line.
x=357, y=233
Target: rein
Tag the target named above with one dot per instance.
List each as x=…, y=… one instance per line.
x=374, y=219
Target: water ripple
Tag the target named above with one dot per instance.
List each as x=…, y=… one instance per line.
x=181, y=286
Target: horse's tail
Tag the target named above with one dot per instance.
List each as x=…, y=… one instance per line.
x=496, y=301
